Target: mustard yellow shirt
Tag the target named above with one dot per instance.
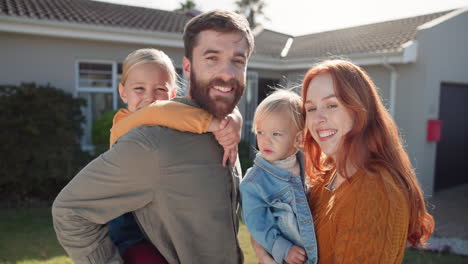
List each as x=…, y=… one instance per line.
x=166, y=113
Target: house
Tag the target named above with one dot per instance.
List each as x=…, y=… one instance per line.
x=419, y=63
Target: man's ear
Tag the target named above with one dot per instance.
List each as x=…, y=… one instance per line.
x=123, y=96
x=299, y=140
x=186, y=67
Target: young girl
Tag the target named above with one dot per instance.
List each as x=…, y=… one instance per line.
x=274, y=204
x=365, y=198
x=149, y=75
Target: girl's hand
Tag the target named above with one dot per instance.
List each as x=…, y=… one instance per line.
x=228, y=135
x=296, y=255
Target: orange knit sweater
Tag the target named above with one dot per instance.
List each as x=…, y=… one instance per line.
x=364, y=220
x=170, y=114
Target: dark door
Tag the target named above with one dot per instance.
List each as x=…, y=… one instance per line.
x=452, y=150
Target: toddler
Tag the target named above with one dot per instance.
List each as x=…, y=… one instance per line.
x=274, y=203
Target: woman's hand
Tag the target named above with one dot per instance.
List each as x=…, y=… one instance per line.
x=262, y=256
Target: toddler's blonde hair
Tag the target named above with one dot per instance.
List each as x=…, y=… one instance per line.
x=281, y=100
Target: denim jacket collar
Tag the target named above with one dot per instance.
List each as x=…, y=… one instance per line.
x=277, y=172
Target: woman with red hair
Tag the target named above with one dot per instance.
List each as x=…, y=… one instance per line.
x=365, y=198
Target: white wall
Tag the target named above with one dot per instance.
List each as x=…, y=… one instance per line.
x=28, y=58
x=442, y=57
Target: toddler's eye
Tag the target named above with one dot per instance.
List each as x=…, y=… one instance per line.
x=276, y=134
x=260, y=133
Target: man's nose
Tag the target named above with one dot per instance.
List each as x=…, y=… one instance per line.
x=227, y=71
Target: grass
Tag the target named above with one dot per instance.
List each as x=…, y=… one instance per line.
x=27, y=237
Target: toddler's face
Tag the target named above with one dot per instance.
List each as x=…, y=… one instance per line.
x=277, y=136
x=145, y=84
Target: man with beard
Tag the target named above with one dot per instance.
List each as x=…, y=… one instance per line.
x=184, y=200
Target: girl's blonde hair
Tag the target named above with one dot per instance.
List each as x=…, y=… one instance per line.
x=158, y=57
x=281, y=100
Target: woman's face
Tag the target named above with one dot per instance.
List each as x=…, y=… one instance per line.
x=327, y=119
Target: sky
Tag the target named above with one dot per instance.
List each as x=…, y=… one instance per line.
x=300, y=17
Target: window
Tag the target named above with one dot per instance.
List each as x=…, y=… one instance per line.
x=96, y=82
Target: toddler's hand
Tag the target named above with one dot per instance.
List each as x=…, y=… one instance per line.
x=296, y=255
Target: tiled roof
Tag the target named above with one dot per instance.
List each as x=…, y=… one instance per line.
x=95, y=13
x=270, y=43
x=378, y=37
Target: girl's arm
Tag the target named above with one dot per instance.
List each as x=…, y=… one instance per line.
x=183, y=117
x=171, y=114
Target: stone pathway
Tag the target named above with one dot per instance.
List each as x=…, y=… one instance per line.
x=450, y=211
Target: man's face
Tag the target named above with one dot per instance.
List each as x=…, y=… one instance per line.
x=217, y=71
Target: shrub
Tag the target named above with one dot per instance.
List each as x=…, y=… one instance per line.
x=40, y=150
x=101, y=132
x=244, y=155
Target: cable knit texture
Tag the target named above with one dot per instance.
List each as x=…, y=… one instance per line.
x=364, y=220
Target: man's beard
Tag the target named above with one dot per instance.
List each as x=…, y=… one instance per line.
x=219, y=106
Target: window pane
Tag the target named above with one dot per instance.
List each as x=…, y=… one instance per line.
x=95, y=75
x=97, y=105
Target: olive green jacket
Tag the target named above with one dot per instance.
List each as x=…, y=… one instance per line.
x=184, y=200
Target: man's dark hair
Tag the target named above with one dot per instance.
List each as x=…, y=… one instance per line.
x=220, y=21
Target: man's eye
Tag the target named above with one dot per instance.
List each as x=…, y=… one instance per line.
x=162, y=89
x=139, y=89
x=239, y=61
x=212, y=58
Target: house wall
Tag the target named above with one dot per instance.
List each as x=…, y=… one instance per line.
x=52, y=60
x=442, y=57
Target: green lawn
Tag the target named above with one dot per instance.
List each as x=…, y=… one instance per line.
x=27, y=237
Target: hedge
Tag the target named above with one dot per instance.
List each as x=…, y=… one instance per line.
x=40, y=131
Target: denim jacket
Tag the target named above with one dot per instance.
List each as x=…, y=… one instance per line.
x=275, y=210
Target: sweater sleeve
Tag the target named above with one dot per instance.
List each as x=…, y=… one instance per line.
x=373, y=227
x=170, y=114
x=118, y=181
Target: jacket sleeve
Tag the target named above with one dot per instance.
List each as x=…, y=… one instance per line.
x=118, y=181
x=175, y=115
x=260, y=222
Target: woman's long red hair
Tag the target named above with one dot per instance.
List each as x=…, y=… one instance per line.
x=374, y=139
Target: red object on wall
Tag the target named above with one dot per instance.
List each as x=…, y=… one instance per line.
x=434, y=130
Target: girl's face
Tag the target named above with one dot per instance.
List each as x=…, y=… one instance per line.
x=277, y=136
x=145, y=84
x=327, y=119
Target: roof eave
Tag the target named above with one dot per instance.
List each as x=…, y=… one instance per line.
x=406, y=54
x=89, y=32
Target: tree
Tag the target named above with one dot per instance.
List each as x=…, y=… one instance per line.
x=252, y=10
x=186, y=6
